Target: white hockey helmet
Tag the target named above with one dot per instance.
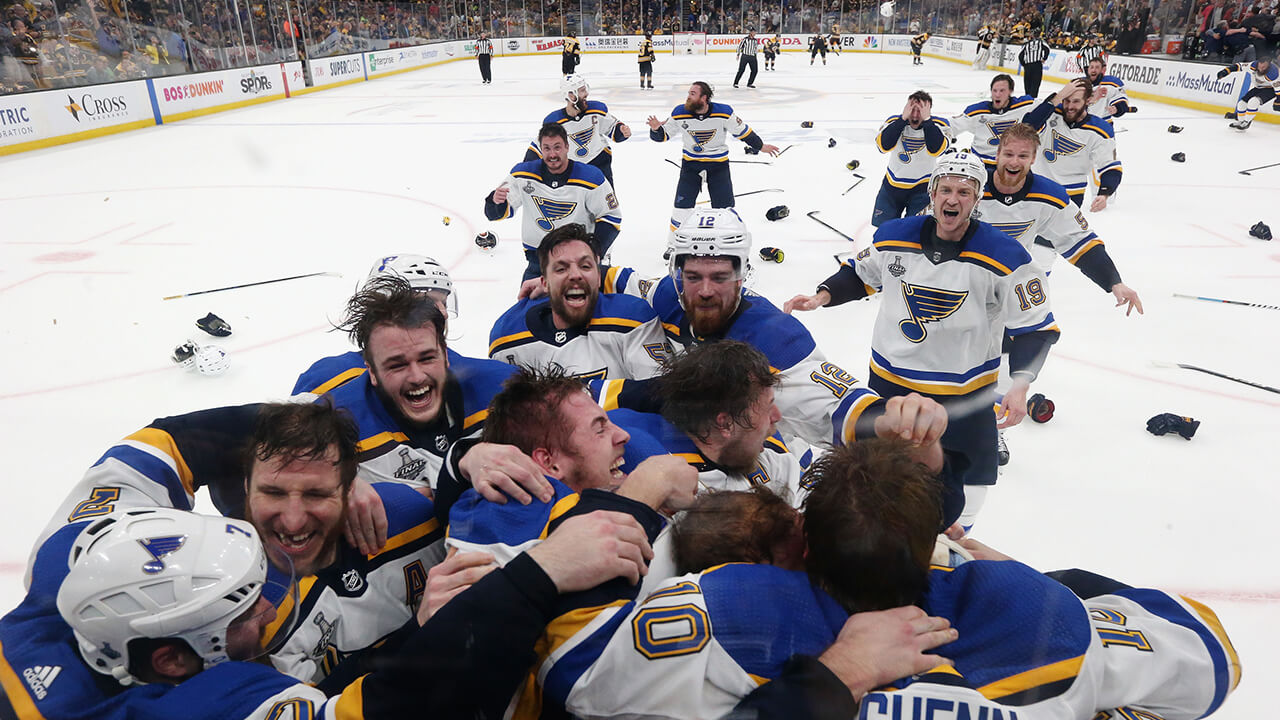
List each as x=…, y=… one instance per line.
x=715, y=232
x=959, y=163
x=422, y=272
x=570, y=85
x=160, y=573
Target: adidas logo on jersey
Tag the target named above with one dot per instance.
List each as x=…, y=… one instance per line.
x=40, y=677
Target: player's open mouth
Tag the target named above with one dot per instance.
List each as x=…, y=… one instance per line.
x=616, y=469
x=419, y=398
x=575, y=296
x=295, y=544
x=951, y=213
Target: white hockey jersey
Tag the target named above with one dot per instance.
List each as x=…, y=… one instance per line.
x=911, y=160
x=1040, y=210
x=1071, y=154
x=623, y=339
x=581, y=195
x=706, y=137
x=939, y=328
x=589, y=133
x=818, y=399
x=988, y=124
x=1114, y=100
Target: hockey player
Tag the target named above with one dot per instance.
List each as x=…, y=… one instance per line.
x=1266, y=81
x=554, y=192
x=817, y=44
x=646, y=57
x=592, y=336
x=1035, y=211
x=952, y=286
x=917, y=46
x=833, y=40
x=1076, y=145
x=156, y=612
x=570, y=54
x=988, y=119
x=707, y=127
x=589, y=126
x=1108, y=100
x=426, y=276
x=904, y=188
x=986, y=35
x=772, y=47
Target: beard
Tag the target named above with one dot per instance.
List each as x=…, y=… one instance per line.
x=577, y=316
x=695, y=108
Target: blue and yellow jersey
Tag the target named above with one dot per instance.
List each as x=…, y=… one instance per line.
x=390, y=451
x=589, y=133
x=987, y=124
x=579, y=195
x=622, y=339
x=706, y=136
x=913, y=152
x=328, y=373
x=1070, y=154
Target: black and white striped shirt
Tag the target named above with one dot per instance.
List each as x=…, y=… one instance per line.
x=484, y=46
x=748, y=46
x=1035, y=51
x=1090, y=53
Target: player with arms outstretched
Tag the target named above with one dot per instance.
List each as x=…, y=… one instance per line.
x=1076, y=145
x=589, y=126
x=1266, y=81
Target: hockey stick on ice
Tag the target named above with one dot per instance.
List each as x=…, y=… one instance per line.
x=751, y=162
x=673, y=162
x=856, y=184
x=1260, y=167
x=252, y=284
x=814, y=216
x=784, y=150
x=1184, y=366
x=750, y=192
x=1229, y=302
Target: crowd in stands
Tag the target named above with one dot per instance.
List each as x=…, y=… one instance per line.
x=49, y=44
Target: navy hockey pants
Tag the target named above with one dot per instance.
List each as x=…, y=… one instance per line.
x=891, y=202
x=719, y=184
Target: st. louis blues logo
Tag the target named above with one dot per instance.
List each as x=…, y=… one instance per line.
x=910, y=146
x=552, y=211
x=582, y=138
x=1062, y=145
x=1014, y=230
x=701, y=138
x=926, y=305
x=998, y=129
x=159, y=547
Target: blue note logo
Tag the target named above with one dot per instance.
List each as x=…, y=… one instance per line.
x=552, y=211
x=701, y=138
x=999, y=128
x=926, y=305
x=582, y=138
x=1014, y=230
x=910, y=146
x=158, y=547
x=1062, y=145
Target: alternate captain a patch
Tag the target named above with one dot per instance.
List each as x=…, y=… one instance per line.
x=552, y=211
x=1062, y=145
x=926, y=305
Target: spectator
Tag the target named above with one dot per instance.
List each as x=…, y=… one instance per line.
x=99, y=73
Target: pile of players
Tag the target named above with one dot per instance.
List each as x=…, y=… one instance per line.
x=656, y=498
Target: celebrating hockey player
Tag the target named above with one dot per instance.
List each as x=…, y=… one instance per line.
x=943, y=315
x=589, y=126
x=1108, y=99
x=1035, y=211
x=988, y=119
x=1266, y=81
x=1076, y=145
x=904, y=188
x=707, y=127
x=555, y=191
x=588, y=334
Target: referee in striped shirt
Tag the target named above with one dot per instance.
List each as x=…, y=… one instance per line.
x=1032, y=57
x=484, y=53
x=747, y=57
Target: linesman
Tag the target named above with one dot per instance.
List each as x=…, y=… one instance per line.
x=484, y=54
x=747, y=58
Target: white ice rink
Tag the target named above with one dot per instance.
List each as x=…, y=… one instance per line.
x=96, y=233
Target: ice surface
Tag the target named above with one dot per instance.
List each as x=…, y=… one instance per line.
x=96, y=233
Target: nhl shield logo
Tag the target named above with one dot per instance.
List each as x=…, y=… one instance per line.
x=897, y=269
x=158, y=547
x=442, y=442
x=561, y=336
x=352, y=581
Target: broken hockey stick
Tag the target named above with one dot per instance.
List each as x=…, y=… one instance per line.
x=784, y=150
x=856, y=184
x=749, y=192
x=1229, y=302
x=1184, y=366
x=1260, y=167
x=814, y=216
x=252, y=284
x=673, y=162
